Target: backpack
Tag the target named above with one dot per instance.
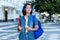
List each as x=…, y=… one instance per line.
x=38, y=32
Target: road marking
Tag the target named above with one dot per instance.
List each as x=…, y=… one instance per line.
x=8, y=36
x=11, y=26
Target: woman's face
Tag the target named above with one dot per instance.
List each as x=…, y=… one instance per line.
x=28, y=9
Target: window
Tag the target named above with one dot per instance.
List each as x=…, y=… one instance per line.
x=17, y=12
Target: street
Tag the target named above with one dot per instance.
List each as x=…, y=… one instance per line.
x=51, y=32
x=8, y=31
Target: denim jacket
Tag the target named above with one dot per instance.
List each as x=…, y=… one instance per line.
x=30, y=24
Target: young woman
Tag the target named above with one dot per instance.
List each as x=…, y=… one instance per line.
x=26, y=27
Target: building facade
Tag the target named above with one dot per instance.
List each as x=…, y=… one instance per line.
x=10, y=9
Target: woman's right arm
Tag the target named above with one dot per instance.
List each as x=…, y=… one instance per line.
x=19, y=28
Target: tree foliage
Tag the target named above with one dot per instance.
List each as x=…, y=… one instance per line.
x=51, y=6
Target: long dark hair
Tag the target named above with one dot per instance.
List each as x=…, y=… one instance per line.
x=24, y=9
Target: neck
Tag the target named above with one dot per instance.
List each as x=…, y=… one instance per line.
x=27, y=14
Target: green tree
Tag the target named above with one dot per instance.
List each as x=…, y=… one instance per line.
x=51, y=6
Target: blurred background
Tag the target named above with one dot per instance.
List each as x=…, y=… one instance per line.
x=46, y=11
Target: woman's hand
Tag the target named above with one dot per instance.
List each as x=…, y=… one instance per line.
x=28, y=28
x=19, y=28
x=31, y=29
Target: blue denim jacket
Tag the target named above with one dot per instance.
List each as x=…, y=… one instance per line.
x=29, y=35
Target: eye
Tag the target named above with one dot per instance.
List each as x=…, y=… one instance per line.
x=28, y=7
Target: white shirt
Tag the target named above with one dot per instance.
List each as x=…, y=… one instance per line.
x=26, y=18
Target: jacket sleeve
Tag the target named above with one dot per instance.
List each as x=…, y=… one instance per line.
x=35, y=21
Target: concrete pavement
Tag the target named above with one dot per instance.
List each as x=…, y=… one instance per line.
x=8, y=31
